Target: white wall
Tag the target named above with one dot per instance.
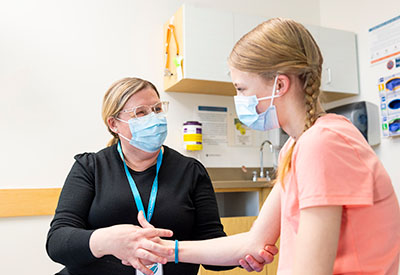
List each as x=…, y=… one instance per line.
x=359, y=16
x=57, y=58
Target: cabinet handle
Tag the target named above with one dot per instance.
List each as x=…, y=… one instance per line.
x=328, y=70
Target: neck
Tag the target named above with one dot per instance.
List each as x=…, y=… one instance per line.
x=137, y=159
x=294, y=123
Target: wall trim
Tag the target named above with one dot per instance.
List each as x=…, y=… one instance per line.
x=28, y=202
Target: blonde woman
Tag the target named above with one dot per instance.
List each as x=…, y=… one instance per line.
x=95, y=229
x=333, y=204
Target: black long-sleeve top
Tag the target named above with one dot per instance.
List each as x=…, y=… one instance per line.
x=97, y=194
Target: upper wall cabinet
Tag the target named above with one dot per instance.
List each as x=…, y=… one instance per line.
x=197, y=60
x=243, y=23
x=340, y=67
x=205, y=39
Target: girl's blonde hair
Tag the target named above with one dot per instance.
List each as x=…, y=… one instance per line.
x=282, y=46
x=116, y=97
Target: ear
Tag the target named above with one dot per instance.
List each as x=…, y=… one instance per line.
x=112, y=124
x=282, y=85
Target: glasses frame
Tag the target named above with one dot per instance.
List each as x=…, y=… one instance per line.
x=132, y=111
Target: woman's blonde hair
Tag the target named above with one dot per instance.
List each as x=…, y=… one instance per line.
x=282, y=46
x=116, y=97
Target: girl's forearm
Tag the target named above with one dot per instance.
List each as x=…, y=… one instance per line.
x=229, y=250
x=224, y=251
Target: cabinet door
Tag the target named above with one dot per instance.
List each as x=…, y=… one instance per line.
x=340, y=67
x=208, y=40
x=242, y=24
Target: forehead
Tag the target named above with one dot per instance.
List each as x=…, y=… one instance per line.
x=146, y=96
x=245, y=78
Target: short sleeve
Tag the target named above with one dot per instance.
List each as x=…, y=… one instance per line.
x=328, y=170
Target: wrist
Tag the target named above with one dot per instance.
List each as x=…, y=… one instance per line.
x=170, y=245
x=97, y=242
x=176, y=251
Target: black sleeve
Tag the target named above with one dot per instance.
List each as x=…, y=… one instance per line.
x=207, y=221
x=68, y=237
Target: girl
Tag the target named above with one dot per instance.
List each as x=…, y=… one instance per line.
x=333, y=205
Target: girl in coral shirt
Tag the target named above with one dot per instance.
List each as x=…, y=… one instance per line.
x=333, y=205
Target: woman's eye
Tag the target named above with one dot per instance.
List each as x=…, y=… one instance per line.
x=140, y=113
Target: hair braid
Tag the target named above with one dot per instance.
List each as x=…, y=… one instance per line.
x=312, y=92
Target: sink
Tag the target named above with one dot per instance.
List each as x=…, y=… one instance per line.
x=236, y=193
x=237, y=177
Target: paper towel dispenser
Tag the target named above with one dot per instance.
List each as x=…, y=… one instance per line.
x=365, y=116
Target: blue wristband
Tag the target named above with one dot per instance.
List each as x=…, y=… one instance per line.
x=176, y=252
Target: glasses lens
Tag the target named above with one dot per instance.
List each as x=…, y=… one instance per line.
x=161, y=107
x=141, y=111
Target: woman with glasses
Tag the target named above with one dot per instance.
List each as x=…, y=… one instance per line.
x=95, y=228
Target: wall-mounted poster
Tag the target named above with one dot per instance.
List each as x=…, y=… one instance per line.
x=385, y=57
x=389, y=92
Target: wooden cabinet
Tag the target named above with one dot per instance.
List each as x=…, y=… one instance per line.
x=206, y=37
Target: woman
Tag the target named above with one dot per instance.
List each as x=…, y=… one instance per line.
x=95, y=230
x=333, y=205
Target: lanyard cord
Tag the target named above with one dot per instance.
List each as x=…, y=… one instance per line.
x=135, y=191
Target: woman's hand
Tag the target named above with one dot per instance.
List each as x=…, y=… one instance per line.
x=250, y=264
x=131, y=244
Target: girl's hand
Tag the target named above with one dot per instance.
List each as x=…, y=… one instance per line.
x=250, y=264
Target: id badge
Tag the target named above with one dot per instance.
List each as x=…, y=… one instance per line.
x=156, y=268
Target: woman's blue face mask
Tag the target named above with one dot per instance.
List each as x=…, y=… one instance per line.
x=148, y=132
x=247, y=112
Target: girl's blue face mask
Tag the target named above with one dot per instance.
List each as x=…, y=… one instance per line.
x=148, y=132
x=247, y=113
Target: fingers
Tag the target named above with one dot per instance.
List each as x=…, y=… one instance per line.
x=253, y=264
x=272, y=249
x=148, y=256
x=156, y=232
x=157, y=248
x=142, y=220
x=140, y=266
x=245, y=265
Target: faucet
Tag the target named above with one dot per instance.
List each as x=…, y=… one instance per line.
x=271, y=147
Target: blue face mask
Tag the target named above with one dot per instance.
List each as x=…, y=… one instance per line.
x=247, y=113
x=148, y=132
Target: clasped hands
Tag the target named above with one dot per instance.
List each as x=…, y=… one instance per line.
x=158, y=253
x=142, y=246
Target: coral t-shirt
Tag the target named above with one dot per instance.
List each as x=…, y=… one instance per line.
x=332, y=164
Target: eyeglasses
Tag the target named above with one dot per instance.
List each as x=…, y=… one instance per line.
x=143, y=110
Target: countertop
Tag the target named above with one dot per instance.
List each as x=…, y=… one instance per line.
x=237, y=184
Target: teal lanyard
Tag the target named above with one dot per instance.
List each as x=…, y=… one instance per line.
x=135, y=191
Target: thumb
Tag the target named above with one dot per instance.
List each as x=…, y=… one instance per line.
x=142, y=220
